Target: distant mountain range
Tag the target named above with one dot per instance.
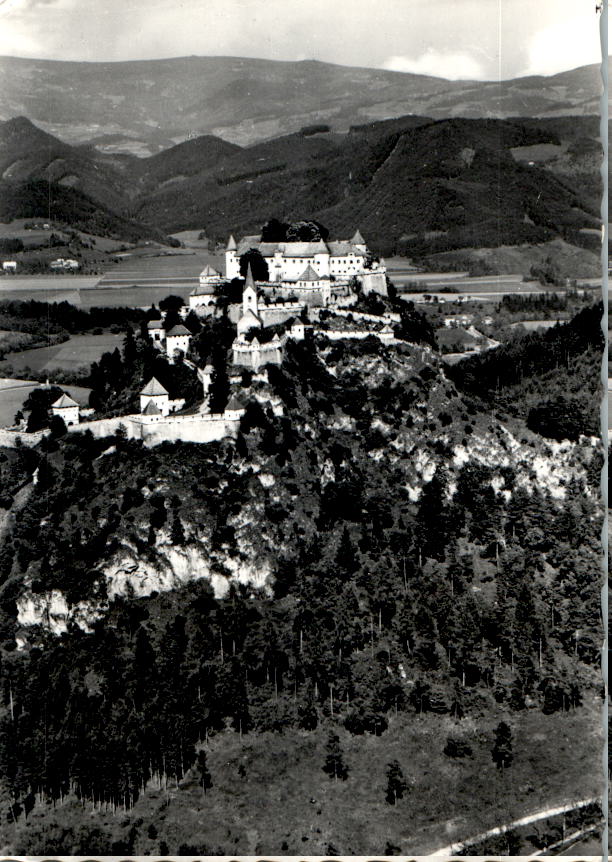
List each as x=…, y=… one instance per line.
x=144, y=106
x=413, y=185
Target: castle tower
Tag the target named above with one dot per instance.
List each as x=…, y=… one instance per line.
x=232, y=264
x=358, y=241
x=249, y=294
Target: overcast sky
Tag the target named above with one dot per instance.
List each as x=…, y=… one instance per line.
x=483, y=39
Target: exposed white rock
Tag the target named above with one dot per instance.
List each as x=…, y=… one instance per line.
x=51, y=610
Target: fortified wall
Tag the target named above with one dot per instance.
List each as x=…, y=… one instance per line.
x=13, y=439
x=153, y=430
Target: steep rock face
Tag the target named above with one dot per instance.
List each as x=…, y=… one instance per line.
x=52, y=611
x=129, y=576
x=337, y=427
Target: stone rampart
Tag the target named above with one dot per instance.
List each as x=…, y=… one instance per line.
x=387, y=317
x=11, y=438
x=337, y=334
x=193, y=428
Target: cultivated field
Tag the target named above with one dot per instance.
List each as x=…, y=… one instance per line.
x=13, y=394
x=532, y=325
x=178, y=264
x=76, y=353
x=34, y=283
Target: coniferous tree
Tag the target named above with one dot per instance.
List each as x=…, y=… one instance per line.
x=396, y=785
x=334, y=764
x=502, y=746
x=204, y=776
x=177, y=533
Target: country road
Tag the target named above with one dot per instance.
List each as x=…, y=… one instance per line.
x=542, y=814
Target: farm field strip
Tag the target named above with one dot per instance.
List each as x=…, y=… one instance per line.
x=107, y=281
x=18, y=283
x=78, y=352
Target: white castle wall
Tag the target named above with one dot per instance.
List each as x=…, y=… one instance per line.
x=374, y=282
x=272, y=315
x=337, y=334
x=387, y=317
x=153, y=430
x=10, y=438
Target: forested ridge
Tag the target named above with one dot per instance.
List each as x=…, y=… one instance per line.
x=466, y=589
x=552, y=378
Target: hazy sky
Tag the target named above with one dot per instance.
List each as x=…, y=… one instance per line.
x=484, y=39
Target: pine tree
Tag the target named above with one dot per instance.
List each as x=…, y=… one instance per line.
x=334, y=763
x=502, y=747
x=177, y=533
x=396, y=785
x=205, y=779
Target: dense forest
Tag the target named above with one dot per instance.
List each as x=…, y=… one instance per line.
x=552, y=379
x=476, y=597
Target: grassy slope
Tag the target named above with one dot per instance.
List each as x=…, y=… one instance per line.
x=285, y=803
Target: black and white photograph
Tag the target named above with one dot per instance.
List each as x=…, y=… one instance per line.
x=301, y=449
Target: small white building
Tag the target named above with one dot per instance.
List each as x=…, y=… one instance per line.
x=9, y=266
x=156, y=394
x=297, y=330
x=64, y=263
x=177, y=338
x=67, y=409
x=202, y=297
x=151, y=413
x=310, y=280
x=156, y=331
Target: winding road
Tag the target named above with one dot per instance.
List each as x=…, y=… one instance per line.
x=542, y=814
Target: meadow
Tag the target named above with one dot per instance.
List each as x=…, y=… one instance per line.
x=257, y=805
x=72, y=355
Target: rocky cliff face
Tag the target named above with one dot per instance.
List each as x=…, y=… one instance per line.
x=337, y=423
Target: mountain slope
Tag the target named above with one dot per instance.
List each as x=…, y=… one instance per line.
x=39, y=199
x=376, y=544
x=415, y=188
x=414, y=185
x=27, y=152
x=245, y=100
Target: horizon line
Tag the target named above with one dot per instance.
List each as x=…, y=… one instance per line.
x=293, y=62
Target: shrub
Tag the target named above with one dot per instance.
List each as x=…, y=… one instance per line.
x=457, y=748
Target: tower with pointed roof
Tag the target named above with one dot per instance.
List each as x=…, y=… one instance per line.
x=250, y=318
x=232, y=262
x=249, y=294
x=67, y=409
x=156, y=394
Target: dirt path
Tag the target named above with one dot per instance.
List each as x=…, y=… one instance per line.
x=453, y=849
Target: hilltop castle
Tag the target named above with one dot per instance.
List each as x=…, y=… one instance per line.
x=309, y=266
